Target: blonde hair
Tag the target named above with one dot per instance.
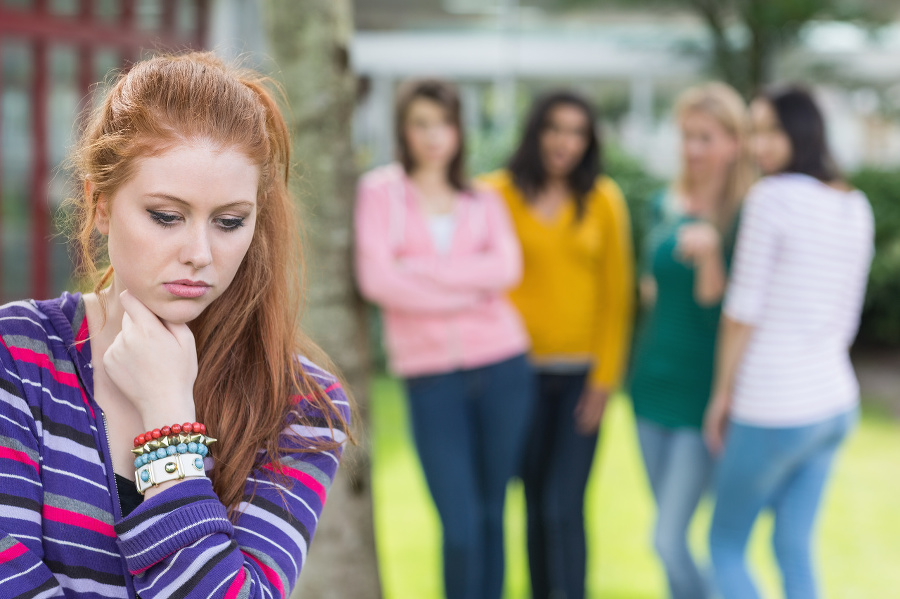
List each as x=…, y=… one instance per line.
x=724, y=104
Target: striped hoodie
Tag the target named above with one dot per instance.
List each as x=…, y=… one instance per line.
x=61, y=529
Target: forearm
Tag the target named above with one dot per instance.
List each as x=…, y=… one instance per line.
x=733, y=339
x=183, y=537
x=495, y=270
x=709, y=279
x=390, y=287
x=22, y=573
x=648, y=291
x=497, y=266
x=614, y=316
x=615, y=310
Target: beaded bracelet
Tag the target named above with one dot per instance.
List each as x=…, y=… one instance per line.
x=175, y=429
x=170, y=446
x=171, y=441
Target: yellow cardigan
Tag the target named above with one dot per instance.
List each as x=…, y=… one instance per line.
x=577, y=292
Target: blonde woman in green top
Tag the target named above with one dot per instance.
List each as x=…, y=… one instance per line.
x=685, y=268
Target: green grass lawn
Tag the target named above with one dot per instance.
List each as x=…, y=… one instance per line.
x=859, y=535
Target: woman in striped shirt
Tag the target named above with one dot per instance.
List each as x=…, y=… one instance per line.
x=108, y=487
x=785, y=394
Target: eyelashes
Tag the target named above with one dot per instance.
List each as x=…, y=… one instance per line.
x=230, y=224
x=164, y=219
x=167, y=219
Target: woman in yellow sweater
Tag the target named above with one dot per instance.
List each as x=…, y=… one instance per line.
x=576, y=297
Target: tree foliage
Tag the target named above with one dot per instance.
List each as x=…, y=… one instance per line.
x=746, y=35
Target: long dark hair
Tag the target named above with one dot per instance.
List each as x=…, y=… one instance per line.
x=527, y=166
x=445, y=95
x=802, y=122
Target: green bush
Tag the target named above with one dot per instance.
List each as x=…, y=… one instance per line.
x=638, y=186
x=881, y=312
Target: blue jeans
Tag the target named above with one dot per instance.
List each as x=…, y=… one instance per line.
x=555, y=474
x=469, y=428
x=679, y=468
x=784, y=469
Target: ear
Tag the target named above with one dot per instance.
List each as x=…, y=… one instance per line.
x=101, y=213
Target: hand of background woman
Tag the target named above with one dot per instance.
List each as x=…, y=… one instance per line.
x=697, y=241
x=715, y=422
x=154, y=364
x=590, y=409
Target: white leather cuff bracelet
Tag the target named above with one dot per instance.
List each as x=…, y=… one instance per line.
x=173, y=467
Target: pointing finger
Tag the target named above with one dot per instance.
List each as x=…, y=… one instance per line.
x=127, y=322
x=182, y=333
x=139, y=313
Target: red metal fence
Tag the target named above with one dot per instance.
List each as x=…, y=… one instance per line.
x=85, y=29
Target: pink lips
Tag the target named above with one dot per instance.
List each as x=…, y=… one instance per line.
x=186, y=288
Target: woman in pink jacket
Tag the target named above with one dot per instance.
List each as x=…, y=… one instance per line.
x=438, y=257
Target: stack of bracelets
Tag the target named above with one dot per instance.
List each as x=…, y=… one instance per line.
x=170, y=453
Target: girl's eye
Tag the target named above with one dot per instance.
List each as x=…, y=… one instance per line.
x=230, y=224
x=164, y=219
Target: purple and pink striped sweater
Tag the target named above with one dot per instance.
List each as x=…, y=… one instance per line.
x=61, y=529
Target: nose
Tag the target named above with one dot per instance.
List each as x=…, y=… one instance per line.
x=196, y=249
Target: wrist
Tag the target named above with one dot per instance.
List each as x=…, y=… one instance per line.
x=169, y=469
x=159, y=415
x=722, y=395
x=169, y=454
x=710, y=256
x=598, y=390
x=160, y=487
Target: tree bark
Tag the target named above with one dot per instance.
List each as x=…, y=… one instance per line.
x=309, y=44
x=726, y=57
x=761, y=48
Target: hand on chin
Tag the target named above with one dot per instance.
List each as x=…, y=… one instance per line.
x=153, y=361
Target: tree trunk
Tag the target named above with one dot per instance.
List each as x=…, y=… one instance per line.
x=309, y=44
x=759, y=53
x=726, y=58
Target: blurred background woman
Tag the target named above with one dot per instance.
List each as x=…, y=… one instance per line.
x=438, y=258
x=576, y=297
x=683, y=278
x=785, y=395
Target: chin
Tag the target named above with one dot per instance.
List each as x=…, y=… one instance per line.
x=179, y=312
x=560, y=170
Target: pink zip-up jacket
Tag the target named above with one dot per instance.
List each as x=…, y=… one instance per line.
x=441, y=312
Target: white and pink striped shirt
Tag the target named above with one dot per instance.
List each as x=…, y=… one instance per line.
x=799, y=277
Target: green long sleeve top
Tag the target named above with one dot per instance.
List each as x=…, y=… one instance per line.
x=672, y=372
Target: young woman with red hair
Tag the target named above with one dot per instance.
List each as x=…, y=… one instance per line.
x=110, y=401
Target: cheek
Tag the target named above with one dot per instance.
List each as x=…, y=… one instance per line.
x=783, y=152
x=697, y=149
x=452, y=138
x=130, y=243
x=760, y=147
x=448, y=138
x=235, y=250
x=414, y=138
x=725, y=152
x=547, y=143
x=575, y=147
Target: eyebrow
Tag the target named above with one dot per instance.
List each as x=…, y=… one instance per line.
x=235, y=204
